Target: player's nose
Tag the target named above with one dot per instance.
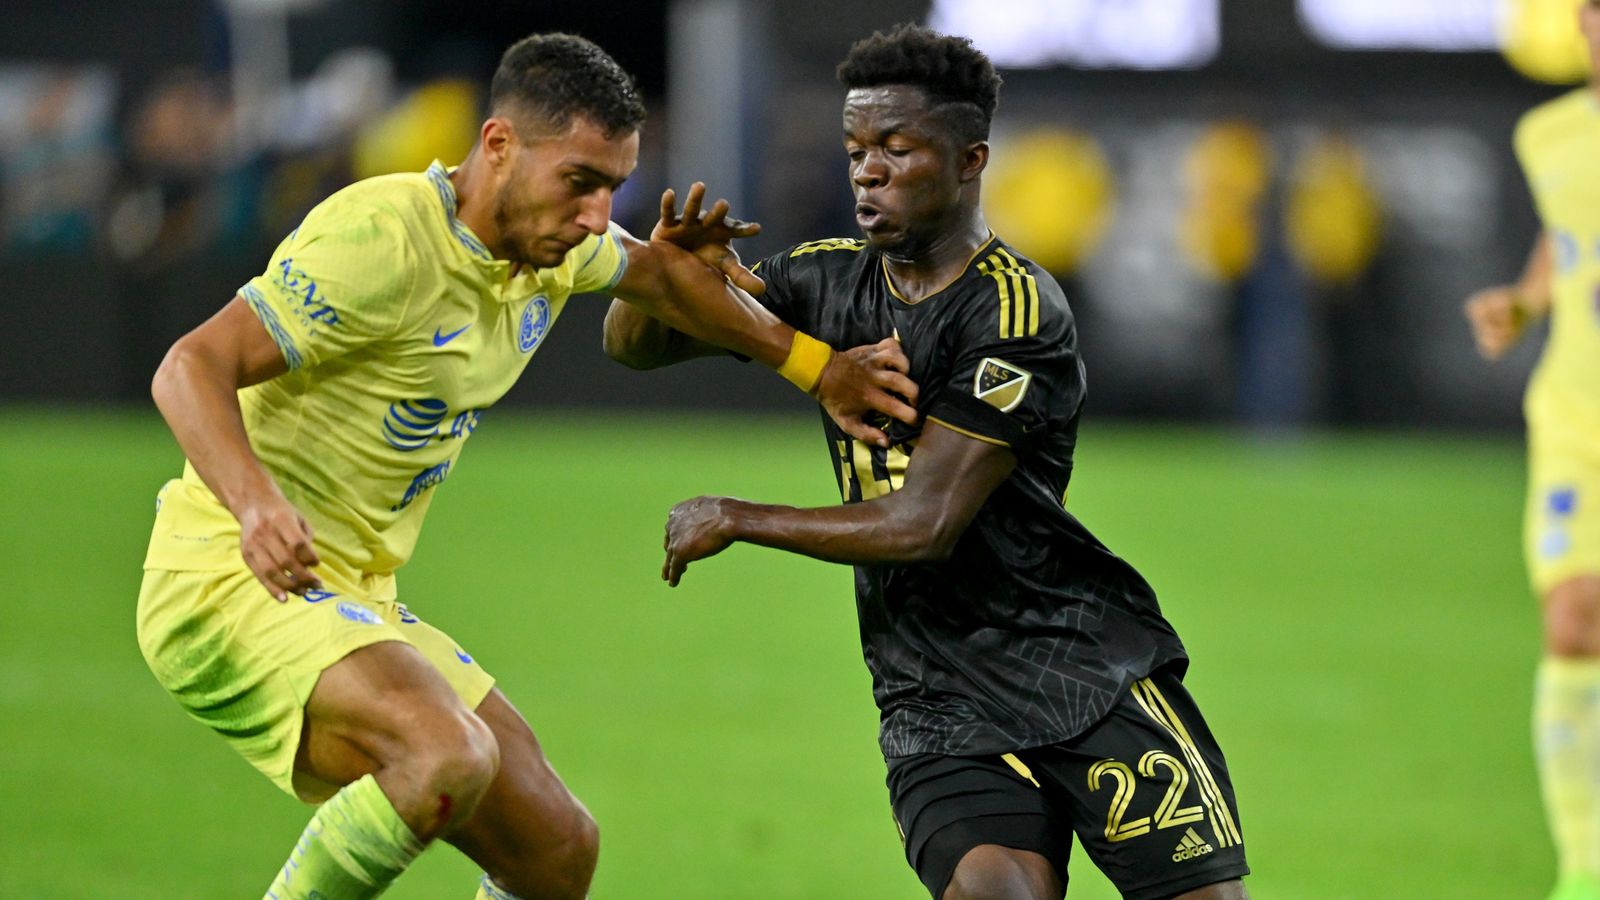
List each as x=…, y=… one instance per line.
x=869, y=172
x=594, y=212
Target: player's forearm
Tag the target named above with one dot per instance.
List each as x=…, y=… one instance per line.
x=693, y=298
x=891, y=529
x=1532, y=290
x=640, y=341
x=196, y=395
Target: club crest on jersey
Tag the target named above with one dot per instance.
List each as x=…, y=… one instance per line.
x=1000, y=384
x=535, y=322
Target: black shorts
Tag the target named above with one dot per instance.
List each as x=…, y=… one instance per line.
x=1145, y=790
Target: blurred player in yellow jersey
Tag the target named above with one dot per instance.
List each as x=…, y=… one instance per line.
x=1558, y=145
x=323, y=406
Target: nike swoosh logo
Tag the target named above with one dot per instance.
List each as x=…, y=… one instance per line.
x=463, y=657
x=439, y=340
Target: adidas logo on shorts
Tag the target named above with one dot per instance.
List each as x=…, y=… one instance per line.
x=1192, y=846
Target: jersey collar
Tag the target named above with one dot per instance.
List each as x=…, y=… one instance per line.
x=440, y=176
x=889, y=279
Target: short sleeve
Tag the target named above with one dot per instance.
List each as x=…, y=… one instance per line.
x=778, y=298
x=341, y=280
x=1523, y=139
x=1015, y=375
x=601, y=262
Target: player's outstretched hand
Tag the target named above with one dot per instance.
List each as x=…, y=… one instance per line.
x=1497, y=320
x=275, y=541
x=696, y=529
x=873, y=378
x=709, y=235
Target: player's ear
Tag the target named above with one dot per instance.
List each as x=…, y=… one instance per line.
x=497, y=137
x=973, y=160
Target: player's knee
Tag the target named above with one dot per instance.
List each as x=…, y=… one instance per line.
x=1572, y=618
x=457, y=761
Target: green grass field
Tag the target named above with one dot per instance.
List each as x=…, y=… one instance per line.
x=1362, y=636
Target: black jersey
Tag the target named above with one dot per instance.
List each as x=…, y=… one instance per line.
x=1032, y=629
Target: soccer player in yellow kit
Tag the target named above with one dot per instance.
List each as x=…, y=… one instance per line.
x=1558, y=145
x=319, y=411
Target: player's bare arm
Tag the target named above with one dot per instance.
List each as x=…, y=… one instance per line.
x=679, y=290
x=949, y=478
x=1500, y=314
x=196, y=388
x=640, y=342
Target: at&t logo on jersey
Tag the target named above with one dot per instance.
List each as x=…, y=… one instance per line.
x=411, y=424
x=535, y=323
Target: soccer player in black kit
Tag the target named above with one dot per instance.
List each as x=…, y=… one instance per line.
x=1029, y=687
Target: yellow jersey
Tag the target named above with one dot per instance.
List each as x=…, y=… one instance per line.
x=1558, y=144
x=399, y=329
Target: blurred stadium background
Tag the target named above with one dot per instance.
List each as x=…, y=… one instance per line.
x=1265, y=212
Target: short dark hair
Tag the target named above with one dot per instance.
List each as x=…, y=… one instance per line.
x=558, y=77
x=947, y=68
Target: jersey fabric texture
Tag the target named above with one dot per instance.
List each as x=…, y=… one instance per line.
x=1146, y=791
x=399, y=330
x=1557, y=144
x=1031, y=630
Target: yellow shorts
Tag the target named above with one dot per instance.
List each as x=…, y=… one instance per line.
x=243, y=664
x=1561, y=525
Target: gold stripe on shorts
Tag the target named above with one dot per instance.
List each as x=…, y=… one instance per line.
x=1158, y=709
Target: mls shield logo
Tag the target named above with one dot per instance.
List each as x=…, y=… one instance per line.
x=1000, y=384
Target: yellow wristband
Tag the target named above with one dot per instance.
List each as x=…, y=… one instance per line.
x=807, y=357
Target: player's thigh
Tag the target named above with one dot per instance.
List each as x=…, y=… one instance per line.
x=1561, y=523
x=529, y=827
x=428, y=684
x=1149, y=794
x=244, y=664
x=994, y=872
x=948, y=807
